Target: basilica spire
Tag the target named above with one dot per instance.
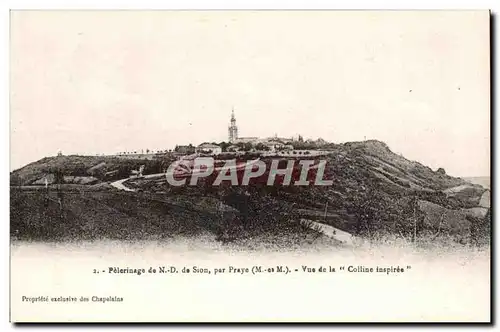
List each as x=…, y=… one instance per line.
x=233, y=128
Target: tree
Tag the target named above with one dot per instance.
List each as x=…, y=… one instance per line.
x=58, y=175
x=261, y=147
x=417, y=218
x=245, y=146
x=301, y=145
x=224, y=145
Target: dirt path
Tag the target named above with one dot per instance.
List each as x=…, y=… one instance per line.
x=330, y=231
x=120, y=186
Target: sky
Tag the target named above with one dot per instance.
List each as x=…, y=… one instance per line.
x=90, y=82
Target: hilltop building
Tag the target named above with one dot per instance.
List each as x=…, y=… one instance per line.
x=252, y=140
x=274, y=142
x=208, y=148
x=238, y=144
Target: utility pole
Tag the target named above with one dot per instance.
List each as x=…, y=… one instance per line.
x=415, y=221
x=47, y=194
x=60, y=197
x=326, y=209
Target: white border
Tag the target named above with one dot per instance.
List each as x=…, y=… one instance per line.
x=248, y=4
x=5, y=6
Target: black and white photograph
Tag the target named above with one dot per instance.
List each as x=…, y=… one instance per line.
x=250, y=166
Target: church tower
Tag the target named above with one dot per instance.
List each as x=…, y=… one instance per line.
x=233, y=129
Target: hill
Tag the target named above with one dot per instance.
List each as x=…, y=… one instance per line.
x=375, y=194
x=75, y=169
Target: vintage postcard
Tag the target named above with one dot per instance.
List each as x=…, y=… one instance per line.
x=250, y=166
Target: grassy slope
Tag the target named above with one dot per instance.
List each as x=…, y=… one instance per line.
x=87, y=166
x=370, y=182
x=96, y=215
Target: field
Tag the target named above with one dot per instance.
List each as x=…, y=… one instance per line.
x=93, y=215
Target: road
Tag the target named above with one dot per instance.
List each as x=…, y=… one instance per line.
x=120, y=186
x=332, y=232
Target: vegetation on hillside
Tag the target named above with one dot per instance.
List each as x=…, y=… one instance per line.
x=375, y=194
x=104, y=168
